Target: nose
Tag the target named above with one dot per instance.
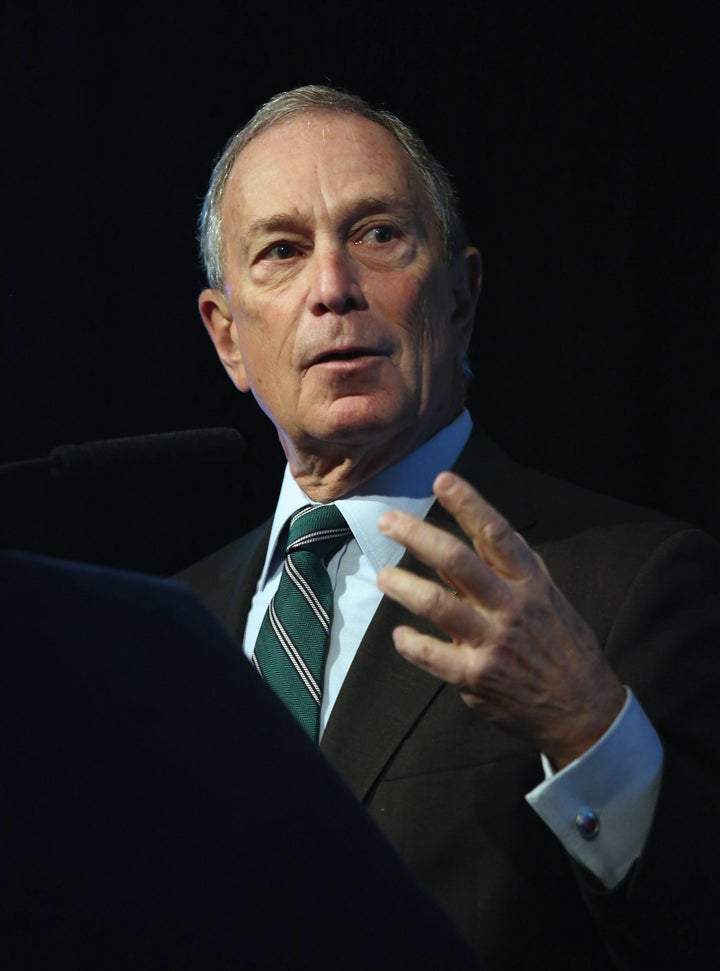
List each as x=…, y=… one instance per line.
x=335, y=286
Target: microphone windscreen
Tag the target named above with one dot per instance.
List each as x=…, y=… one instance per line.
x=203, y=445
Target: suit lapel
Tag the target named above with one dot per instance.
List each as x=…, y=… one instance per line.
x=380, y=700
x=383, y=695
x=226, y=580
x=499, y=479
x=246, y=583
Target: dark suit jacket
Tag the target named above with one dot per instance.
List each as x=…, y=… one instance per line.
x=448, y=788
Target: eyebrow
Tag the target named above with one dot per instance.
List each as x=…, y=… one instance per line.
x=269, y=224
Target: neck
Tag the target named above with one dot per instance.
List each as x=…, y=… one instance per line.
x=325, y=478
x=331, y=472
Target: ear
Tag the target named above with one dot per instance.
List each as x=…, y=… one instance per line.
x=466, y=283
x=220, y=325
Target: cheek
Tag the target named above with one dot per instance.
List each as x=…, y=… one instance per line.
x=399, y=303
x=264, y=371
x=429, y=328
x=408, y=298
x=269, y=386
x=265, y=342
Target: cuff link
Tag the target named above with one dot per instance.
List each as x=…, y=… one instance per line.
x=587, y=824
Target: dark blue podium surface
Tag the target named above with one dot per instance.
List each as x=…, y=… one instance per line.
x=161, y=809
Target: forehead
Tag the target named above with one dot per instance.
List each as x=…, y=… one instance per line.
x=320, y=158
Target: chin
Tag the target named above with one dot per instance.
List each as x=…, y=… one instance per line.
x=363, y=418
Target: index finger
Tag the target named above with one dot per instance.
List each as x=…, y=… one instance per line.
x=452, y=559
x=492, y=535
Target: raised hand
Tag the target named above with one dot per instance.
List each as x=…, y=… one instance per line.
x=518, y=653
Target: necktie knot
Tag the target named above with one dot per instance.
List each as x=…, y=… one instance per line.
x=321, y=529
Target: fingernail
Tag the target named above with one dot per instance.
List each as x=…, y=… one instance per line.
x=386, y=522
x=445, y=482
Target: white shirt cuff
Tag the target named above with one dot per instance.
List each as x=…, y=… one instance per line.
x=601, y=805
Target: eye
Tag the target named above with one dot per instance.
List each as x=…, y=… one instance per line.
x=378, y=235
x=280, y=251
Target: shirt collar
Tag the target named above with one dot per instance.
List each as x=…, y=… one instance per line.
x=406, y=485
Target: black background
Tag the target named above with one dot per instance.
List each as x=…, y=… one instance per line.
x=584, y=143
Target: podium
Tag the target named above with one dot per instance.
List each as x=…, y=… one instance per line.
x=161, y=808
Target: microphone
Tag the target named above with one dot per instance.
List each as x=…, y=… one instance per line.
x=203, y=445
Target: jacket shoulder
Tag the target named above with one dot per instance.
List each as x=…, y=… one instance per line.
x=225, y=579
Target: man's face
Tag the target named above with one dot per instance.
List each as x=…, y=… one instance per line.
x=339, y=312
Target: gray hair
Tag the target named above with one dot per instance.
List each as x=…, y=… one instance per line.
x=434, y=177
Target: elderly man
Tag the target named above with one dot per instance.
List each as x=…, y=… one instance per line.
x=547, y=760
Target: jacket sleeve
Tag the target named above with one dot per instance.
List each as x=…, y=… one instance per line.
x=665, y=644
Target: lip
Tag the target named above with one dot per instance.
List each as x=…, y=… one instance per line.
x=347, y=357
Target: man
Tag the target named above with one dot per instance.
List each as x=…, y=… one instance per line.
x=547, y=759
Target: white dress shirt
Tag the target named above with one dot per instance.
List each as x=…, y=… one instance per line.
x=618, y=779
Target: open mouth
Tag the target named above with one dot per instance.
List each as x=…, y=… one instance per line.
x=349, y=355
x=346, y=354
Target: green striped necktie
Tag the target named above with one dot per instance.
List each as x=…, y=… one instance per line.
x=292, y=644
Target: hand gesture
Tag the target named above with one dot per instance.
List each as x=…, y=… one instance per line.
x=518, y=652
